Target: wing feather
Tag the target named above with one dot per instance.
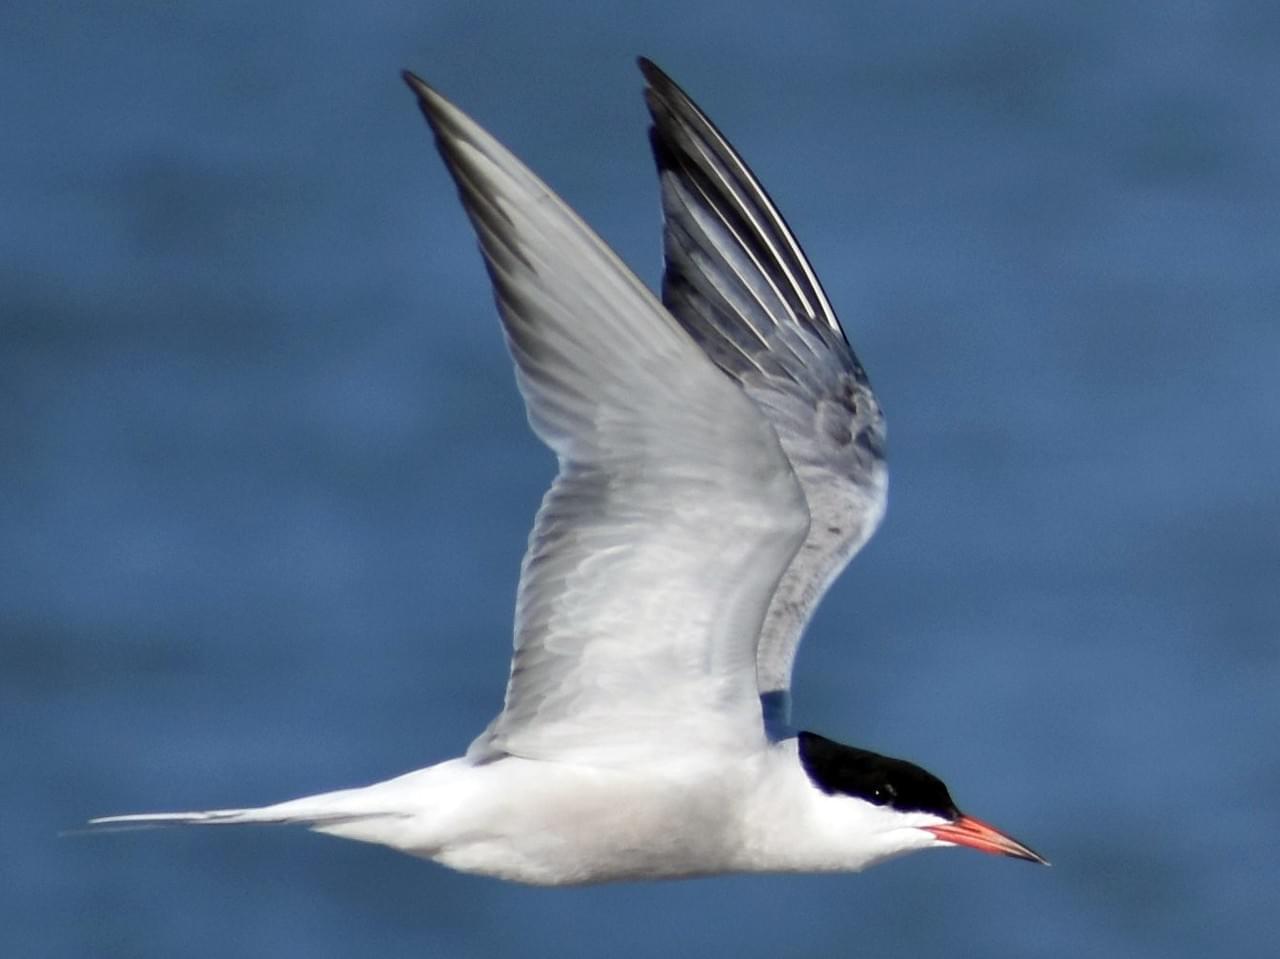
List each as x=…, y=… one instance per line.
x=738, y=281
x=674, y=514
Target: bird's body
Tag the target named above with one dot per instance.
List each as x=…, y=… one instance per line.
x=721, y=460
x=571, y=823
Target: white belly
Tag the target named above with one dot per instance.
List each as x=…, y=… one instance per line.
x=554, y=824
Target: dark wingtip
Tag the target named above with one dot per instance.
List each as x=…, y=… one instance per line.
x=431, y=103
x=654, y=75
x=661, y=95
x=421, y=89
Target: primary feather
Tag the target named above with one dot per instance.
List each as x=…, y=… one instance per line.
x=738, y=282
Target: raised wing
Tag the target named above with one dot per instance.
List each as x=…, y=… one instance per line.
x=738, y=281
x=674, y=514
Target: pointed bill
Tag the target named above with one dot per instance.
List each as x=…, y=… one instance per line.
x=976, y=834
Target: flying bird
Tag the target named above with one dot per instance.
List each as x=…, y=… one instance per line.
x=721, y=459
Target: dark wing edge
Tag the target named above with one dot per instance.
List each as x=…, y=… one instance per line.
x=737, y=280
x=675, y=511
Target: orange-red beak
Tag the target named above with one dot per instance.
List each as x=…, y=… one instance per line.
x=976, y=834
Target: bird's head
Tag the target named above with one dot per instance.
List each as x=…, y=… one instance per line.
x=913, y=809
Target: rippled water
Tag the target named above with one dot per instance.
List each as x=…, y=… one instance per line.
x=267, y=481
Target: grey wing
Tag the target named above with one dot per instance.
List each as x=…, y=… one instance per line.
x=738, y=281
x=674, y=513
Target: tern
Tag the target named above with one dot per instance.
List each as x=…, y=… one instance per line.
x=721, y=459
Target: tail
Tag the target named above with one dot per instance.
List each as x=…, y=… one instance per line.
x=387, y=812
x=324, y=810
x=207, y=817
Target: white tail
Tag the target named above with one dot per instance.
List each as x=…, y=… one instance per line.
x=208, y=817
x=389, y=812
x=332, y=808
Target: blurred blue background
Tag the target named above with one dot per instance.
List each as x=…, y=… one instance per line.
x=266, y=479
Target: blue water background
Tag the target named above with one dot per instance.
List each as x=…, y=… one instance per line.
x=266, y=478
